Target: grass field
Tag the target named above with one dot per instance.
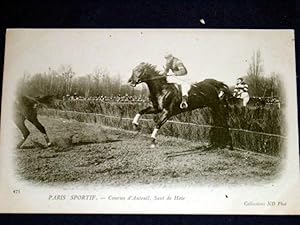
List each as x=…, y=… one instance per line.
x=91, y=153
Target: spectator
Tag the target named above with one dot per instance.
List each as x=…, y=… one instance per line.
x=241, y=91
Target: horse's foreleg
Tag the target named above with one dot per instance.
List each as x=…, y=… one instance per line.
x=21, y=142
x=20, y=122
x=148, y=110
x=135, y=120
x=161, y=121
x=41, y=128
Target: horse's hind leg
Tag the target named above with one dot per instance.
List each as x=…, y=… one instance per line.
x=161, y=121
x=220, y=134
x=20, y=122
x=33, y=119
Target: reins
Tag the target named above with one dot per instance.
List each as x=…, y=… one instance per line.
x=155, y=78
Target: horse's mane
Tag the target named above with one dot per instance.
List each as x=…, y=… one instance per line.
x=152, y=68
x=154, y=72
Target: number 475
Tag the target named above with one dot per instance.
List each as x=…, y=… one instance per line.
x=16, y=191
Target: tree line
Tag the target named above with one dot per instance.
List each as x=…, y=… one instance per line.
x=260, y=84
x=64, y=81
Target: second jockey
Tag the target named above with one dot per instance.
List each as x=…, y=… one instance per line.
x=178, y=76
x=241, y=91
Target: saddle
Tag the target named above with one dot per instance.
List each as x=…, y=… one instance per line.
x=177, y=86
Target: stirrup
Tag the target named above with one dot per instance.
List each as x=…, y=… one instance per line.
x=183, y=105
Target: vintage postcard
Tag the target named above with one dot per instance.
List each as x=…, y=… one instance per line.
x=164, y=121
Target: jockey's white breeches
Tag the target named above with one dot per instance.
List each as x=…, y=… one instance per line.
x=245, y=97
x=182, y=81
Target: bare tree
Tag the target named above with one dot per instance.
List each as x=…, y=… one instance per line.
x=256, y=66
x=255, y=77
x=261, y=85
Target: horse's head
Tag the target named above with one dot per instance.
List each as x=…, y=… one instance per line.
x=139, y=74
x=145, y=72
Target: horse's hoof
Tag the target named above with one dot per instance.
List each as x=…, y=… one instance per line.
x=209, y=147
x=136, y=126
x=19, y=146
x=153, y=143
x=49, y=144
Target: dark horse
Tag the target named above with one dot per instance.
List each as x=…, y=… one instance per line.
x=166, y=98
x=26, y=109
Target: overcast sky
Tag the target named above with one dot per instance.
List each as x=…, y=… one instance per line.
x=219, y=54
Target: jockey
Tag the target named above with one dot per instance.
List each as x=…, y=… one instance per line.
x=241, y=91
x=179, y=70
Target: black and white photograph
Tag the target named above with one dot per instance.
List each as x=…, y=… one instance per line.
x=150, y=120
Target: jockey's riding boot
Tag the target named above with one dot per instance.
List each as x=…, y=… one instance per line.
x=183, y=104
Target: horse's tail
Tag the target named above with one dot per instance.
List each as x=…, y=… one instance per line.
x=220, y=86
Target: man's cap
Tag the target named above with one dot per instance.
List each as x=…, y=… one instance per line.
x=168, y=55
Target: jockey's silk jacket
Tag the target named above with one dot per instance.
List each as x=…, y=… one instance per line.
x=240, y=88
x=177, y=67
